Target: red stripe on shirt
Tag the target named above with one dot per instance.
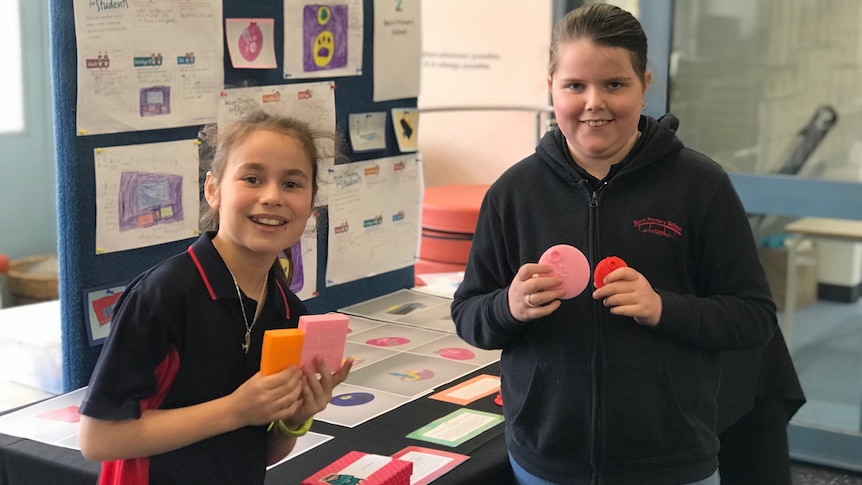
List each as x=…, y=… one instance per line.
x=284, y=297
x=201, y=271
x=136, y=471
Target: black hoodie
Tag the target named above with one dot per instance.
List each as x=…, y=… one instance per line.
x=595, y=398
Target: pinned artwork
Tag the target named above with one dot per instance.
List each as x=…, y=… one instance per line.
x=99, y=307
x=405, y=122
x=251, y=43
x=322, y=39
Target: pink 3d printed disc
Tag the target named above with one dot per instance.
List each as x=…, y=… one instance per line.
x=570, y=265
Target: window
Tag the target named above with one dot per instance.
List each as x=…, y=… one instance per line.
x=12, y=114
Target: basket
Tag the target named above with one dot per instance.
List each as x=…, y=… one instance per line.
x=33, y=279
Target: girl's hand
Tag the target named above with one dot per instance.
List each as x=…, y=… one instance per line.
x=317, y=390
x=532, y=296
x=264, y=399
x=627, y=292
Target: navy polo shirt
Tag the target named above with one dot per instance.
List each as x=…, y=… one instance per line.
x=176, y=340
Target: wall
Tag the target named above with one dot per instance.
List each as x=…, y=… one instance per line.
x=473, y=60
x=475, y=147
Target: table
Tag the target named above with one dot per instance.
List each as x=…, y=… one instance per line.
x=760, y=378
x=810, y=227
x=26, y=462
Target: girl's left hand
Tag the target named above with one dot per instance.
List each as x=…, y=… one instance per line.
x=628, y=293
x=317, y=386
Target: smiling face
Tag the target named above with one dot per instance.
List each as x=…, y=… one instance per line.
x=597, y=97
x=264, y=196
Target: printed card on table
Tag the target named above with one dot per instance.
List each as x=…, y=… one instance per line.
x=469, y=391
x=429, y=464
x=357, y=467
x=457, y=427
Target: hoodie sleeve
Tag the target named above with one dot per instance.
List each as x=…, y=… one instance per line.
x=734, y=309
x=480, y=308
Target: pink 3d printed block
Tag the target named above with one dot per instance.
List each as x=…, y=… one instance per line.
x=324, y=336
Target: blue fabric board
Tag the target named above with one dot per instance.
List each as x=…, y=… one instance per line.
x=81, y=268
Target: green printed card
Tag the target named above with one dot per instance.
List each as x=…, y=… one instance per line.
x=457, y=427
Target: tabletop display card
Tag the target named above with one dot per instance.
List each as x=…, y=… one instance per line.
x=325, y=336
x=358, y=468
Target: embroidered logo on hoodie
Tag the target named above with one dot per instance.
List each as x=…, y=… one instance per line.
x=659, y=227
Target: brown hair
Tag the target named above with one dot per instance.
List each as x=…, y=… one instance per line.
x=605, y=25
x=217, y=144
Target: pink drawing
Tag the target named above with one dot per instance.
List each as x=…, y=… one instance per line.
x=251, y=42
x=388, y=341
x=68, y=414
x=456, y=353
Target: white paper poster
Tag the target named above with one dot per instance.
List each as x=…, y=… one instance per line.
x=146, y=194
x=322, y=40
x=312, y=102
x=397, y=49
x=147, y=65
x=374, y=214
x=472, y=58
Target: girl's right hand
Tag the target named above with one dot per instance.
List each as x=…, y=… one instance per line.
x=263, y=399
x=532, y=296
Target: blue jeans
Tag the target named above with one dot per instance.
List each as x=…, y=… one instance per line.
x=523, y=477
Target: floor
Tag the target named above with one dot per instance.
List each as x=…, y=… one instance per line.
x=826, y=346
x=827, y=337
x=806, y=474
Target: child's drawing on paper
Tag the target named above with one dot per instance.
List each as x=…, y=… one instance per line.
x=324, y=33
x=146, y=199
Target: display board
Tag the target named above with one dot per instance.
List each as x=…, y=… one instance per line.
x=83, y=266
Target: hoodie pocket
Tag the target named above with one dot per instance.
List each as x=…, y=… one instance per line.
x=647, y=415
x=549, y=408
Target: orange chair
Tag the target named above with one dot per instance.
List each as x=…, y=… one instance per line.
x=4, y=268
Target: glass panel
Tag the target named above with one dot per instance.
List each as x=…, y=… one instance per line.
x=774, y=87
x=758, y=84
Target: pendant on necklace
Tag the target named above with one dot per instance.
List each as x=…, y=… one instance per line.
x=247, y=343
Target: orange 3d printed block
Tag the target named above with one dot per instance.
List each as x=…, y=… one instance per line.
x=282, y=348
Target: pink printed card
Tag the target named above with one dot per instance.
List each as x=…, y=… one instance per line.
x=429, y=464
x=325, y=336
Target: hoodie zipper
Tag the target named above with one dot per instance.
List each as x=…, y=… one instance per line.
x=596, y=421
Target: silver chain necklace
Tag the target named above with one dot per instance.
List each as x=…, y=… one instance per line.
x=247, y=341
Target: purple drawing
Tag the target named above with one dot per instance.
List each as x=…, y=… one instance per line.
x=147, y=199
x=156, y=101
x=298, y=279
x=352, y=399
x=324, y=34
